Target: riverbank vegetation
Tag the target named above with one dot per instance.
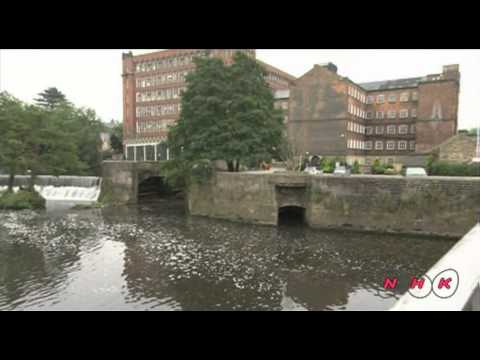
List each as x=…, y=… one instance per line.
x=51, y=136
x=21, y=200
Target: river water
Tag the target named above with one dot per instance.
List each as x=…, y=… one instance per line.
x=155, y=257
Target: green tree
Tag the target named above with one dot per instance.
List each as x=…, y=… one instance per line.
x=51, y=98
x=227, y=114
x=14, y=129
x=116, y=137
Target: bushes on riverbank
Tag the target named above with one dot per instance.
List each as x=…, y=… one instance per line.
x=444, y=168
x=21, y=200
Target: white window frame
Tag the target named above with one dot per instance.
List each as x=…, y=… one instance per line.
x=389, y=147
x=402, y=145
x=403, y=129
x=403, y=114
x=391, y=129
x=378, y=145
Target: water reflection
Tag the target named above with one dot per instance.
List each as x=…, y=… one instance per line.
x=155, y=257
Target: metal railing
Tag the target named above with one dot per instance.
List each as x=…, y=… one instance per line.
x=463, y=261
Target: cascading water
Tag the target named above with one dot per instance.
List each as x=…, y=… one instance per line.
x=69, y=190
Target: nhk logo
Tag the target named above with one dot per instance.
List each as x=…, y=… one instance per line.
x=444, y=285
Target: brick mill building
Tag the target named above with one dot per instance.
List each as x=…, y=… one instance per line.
x=396, y=121
x=152, y=86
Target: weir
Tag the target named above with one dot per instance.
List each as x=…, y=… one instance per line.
x=77, y=189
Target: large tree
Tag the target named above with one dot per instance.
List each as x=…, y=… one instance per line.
x=14, y=129
x=51, y=98
x=227, y=114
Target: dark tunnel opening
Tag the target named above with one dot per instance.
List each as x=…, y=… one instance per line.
x=154, y=188
x=291, y=216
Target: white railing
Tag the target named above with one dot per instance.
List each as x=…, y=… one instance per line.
x=464, y=259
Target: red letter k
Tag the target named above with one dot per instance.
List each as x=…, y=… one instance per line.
x=444, y=283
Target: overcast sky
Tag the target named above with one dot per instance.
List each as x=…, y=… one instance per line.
x=92, y=78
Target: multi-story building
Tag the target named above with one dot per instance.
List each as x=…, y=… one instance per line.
x=152, y=87
x=395, y=121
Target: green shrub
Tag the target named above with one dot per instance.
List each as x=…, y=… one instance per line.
x=378, y=168
x=328, y=166
x=21, y=200
x=444, y=168
x=356, y=168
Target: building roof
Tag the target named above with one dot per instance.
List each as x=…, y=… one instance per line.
x=271, y=68
x=392, y=84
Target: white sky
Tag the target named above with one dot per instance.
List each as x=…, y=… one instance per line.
x=92, y=78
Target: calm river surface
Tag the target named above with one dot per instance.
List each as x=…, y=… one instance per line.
x=154, y=257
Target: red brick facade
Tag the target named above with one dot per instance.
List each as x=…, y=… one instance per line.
x=152, y=86
x=331, y=115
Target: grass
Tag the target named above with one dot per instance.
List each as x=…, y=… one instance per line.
x=21, y=200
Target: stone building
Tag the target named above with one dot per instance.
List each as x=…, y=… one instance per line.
x=396, y=121
x=460, y=148
x=152, y=87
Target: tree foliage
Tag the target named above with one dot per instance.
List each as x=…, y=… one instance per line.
x=56, y=138
x=51, y=98
x=227, y=114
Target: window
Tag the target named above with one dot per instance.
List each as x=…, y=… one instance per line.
x=380, y=99
x=404, y=113
x=391, y=129
x=392, y=114
x=368, y=145
x=392, y=98
x=413, y=112
x=380, y=114
x=414, y=96
x=369, y=130
x=379, y=130
x=403, y=129
x=402, y=145
x=369, y=114
x=370, y=99
x=390, y=145
x=412, y=129
x=412, y=145
x=378, y=145
x=404, y=97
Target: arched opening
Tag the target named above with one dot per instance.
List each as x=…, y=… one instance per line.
x=153, y=188
x=291, y=215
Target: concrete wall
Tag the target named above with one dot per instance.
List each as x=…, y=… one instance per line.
x=435, y=205
x=121, y=180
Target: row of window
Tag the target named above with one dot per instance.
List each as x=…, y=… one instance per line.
x=392, y=114
x=146, y=126
x=159, y=95
x=391, y=129
x=392, y=98
x=158, y=110
x=357, y=94
x=380, y=145
x=281, y=105
x=276, y=78
x=165, y=63
x=166, y=78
